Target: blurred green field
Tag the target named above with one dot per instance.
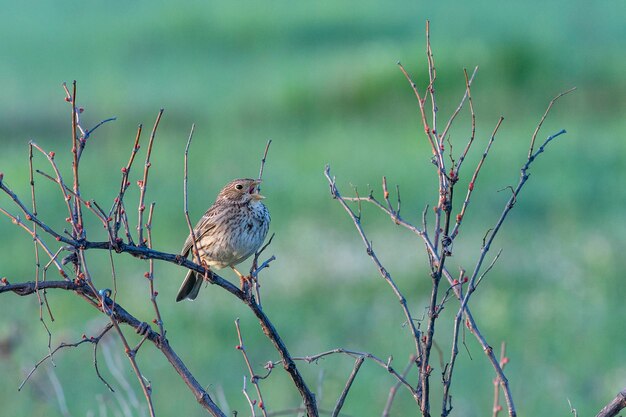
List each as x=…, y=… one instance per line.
x=321, y=81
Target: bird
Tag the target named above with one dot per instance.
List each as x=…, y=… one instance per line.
x=231, y=230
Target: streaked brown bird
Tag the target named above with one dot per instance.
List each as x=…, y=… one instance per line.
x=231, y=230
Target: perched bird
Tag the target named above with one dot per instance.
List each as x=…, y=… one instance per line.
x=231, y=230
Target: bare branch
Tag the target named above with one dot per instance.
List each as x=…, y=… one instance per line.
x=150, y=275
x=468, y=94
x=615, y=406
x=94, y=339
x=196, y=255
x=267, y=148
x=472, y=183
x=381, y=269
x=143, y=184
x=394, y=389
x=77, y=210
x=253, y=377
x=468, y=84
x=91, y=205
x=251, y=402
x=17, y=221
x=355, y=354
x=41, y=299
x=344, y=393
x=543, y=118
x=118, y=204
x=496, y=382
x=432, y=76
x=108, y=307
x=66, y=197
x=122, y=316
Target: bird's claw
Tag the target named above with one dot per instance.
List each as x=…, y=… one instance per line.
x=143, y=329
x=246, y=283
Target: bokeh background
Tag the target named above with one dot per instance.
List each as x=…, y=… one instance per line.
x=320, y=79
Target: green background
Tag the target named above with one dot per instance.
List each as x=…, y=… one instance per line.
x=320, y=79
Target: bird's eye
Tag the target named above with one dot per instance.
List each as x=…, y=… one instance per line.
x=239, y=186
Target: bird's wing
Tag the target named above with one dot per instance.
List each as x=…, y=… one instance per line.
x=205, y=225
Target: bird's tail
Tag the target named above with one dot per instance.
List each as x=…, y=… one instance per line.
x=190, y=287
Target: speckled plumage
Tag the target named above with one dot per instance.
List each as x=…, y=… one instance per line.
x=231, y=230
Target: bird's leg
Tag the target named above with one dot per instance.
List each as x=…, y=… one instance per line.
x=244, y=281
x=207, y=267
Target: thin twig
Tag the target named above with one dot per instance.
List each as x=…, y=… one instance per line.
x=88, y=132
x=95, y=360
x=496, y=382
x=394, y=389
x=251, y=402
x=460, y=106
x=431, y=139
x=255, y=269
x=108, y=308
x=196, y=255
x=118, y=206
x=66, y=196
x=254, y=379
x=150, y=275
x=144, y=183
x=267, y=148
x=486, y=271
x=468, y=94
x=357, y=365
x=432, y=76
x=69, y=97
x=543, y=118
x=41, y=300
x=122, y=316
x=90, y=204
x=77, y=210
x=472, y=183
x=355, y=354
x=94, y=339
x=194, y=247
x=17, y=221
x=370, y=252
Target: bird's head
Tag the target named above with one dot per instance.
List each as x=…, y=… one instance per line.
x=241, y=190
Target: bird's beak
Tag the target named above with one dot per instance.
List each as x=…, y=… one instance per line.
x=255, y=192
